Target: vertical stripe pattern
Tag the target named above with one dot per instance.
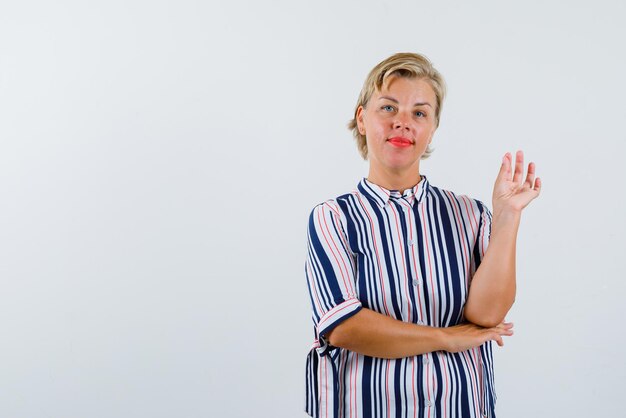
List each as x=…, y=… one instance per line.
x=410, y=256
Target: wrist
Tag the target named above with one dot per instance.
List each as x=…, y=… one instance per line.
x=506, y=216
x=442, y=339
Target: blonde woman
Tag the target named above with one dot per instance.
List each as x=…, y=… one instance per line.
x=409, y=283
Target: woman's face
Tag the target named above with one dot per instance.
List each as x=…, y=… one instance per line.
x=398, y=124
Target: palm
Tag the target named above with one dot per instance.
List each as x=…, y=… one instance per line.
x=509, y=192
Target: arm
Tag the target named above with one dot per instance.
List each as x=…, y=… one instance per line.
x=492, y=290
x=377, y=335
x=341, y=321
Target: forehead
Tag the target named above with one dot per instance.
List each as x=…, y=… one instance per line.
x=406, y=87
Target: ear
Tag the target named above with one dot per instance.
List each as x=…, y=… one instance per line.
x=359, y=120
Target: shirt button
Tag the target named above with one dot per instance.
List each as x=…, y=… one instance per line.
x=412, y=242
x=420, y=322
x=426, y=360
x=416, y=282
x=429, y=404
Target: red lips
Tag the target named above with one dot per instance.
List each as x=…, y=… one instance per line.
x=401, y=142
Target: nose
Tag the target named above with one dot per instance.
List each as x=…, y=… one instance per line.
x=401, y=121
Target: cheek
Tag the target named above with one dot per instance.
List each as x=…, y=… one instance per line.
x=377, y=127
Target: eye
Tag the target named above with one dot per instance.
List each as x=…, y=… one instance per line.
x=420, y=114
x=387, y=108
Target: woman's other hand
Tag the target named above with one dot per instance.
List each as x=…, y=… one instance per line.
x=509, y=193
x=467, y=336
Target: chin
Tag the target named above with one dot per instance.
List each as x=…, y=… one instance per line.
x=401, y=163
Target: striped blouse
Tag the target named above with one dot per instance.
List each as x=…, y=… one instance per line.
x=410, y=256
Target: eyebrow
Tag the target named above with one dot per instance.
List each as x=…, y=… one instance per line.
x=391, y=99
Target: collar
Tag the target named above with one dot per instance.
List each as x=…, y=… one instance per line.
x=382, y=196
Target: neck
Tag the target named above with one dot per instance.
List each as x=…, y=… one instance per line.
x=392, y=180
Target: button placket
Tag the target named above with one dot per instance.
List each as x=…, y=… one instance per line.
x=412, y=247
x=428, y=394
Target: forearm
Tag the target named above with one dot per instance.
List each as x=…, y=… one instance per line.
x=492, y=290
x=377, y=335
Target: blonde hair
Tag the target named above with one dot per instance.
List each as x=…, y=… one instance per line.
x=403, y=64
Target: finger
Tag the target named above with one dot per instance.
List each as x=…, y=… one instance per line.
x=530, y=176
x=505, y=327
x=537, y=187
x=504, y=331
x=505, y=167
x=519, y=167
x=498, y=339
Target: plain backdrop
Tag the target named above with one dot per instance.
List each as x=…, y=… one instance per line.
x=159, y=160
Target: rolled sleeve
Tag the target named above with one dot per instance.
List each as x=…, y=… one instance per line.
x=482, y=236
x=330, y=272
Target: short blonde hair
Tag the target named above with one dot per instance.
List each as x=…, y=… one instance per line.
x=403, y=64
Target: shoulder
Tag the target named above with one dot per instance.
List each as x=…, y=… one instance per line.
x=462, y=203
x=333, y=205
x=332, y=211
x=325, y=208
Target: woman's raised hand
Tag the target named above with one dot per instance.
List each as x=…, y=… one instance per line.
x=509, y=193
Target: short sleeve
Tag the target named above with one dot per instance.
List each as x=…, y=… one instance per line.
x=482, y=236
x=330, y=271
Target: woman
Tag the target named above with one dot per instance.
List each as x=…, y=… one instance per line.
x=406, y=297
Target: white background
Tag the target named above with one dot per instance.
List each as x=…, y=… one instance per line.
x=158, y=162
